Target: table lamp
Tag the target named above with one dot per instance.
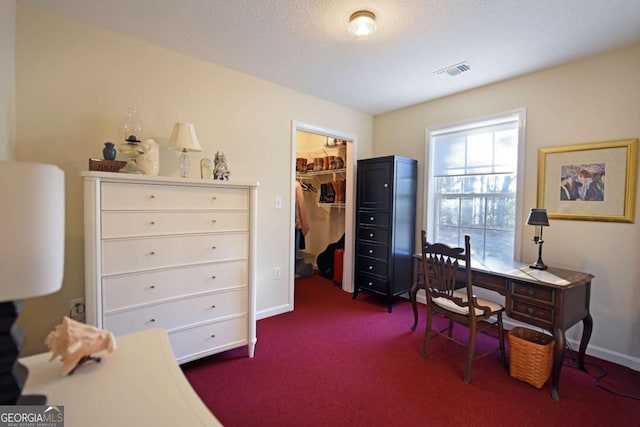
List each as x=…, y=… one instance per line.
x=538, y=218
x=31, y=258
x=184, y=138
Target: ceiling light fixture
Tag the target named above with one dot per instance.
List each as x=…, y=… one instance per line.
x=362, y=24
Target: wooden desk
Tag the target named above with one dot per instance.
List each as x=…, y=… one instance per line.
x=139, y=384
x=553, y=299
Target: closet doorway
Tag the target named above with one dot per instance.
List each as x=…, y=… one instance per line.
x=321, y=156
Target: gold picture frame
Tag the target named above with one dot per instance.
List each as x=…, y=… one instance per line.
x=571, y=181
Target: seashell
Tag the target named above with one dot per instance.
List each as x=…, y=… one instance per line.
x=74, y=342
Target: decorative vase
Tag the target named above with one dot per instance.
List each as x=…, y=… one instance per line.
x=149, y=162
x=109, y=151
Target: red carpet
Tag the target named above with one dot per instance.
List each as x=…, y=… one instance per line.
x=334, y=361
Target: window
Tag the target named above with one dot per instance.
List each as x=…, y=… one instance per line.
x=473, y=184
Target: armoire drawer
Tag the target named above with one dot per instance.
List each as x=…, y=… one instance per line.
x=380, y=219
x=147, y=253
x=365, y=281
x=178, y=313
x=143, y=288
x=117, y=224
x=372, y=234
x=371, y=266
x=372, y=251
x=124, y=196
x=192, y=343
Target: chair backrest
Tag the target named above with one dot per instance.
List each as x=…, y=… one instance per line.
x=446, y=268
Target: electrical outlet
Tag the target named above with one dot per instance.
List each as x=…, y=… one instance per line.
x=276, y=273
x=77, y=309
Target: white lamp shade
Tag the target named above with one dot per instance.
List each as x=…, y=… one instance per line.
x=184, y=138
x=32, y=229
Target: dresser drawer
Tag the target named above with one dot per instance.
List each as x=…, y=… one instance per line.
x=371, y=234
x=528, y=290
x=125, y=196
x=154, y=223
x=196, y=342
x=379, y=219
x=371, y=266
x=535, y=314
x=146, y=253
x=177, y=313
x=154, y=286
x=365, y=281
x=373, y=251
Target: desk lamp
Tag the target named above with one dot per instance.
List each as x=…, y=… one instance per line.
x=538, y=218
x=31, y=258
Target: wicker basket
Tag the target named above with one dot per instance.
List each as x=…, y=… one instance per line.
x=530, y=355
x=106, y=165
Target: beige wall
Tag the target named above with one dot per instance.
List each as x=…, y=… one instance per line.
x=596, y=99
x=7, y=77
x=74, y=85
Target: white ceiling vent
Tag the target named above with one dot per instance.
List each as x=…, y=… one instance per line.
x=453, y=71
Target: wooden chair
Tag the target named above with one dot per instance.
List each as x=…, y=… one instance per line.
x=449, y=292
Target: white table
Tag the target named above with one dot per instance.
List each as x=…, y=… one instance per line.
x=139, y=384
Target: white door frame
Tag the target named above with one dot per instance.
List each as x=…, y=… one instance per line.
x=349, y=217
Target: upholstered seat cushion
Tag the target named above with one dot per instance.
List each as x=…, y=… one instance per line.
x=447, y=304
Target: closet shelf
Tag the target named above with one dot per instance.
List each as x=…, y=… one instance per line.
x=323, y=172
x=332, y=205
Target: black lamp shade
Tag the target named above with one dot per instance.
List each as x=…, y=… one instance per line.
x=538, y=217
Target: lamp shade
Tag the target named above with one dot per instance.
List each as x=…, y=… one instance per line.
x=32, y=229
x=184, y=138
x=538, y=217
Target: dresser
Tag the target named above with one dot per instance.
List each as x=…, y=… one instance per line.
x=172, y=253
x=385, y=226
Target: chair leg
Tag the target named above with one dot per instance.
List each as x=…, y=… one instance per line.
x=471, y=348
x=450, y=328
x=501, y=340
x=427, y=333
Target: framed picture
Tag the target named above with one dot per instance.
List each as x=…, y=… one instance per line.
x=591, y=182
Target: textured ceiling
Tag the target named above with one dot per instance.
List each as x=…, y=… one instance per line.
x=304, y=45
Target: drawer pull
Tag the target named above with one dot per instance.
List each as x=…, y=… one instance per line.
x=213, y=247
x=152, y=223
x=531, y=310
x=213, y=277
x=214, y=198
x=370, y=251
x=531, y=292
x=371, y=218
x=370, y=234
x=152, y=253
x=386, y=186
x=152, y=320
x=213, y=335
x=152, y=196
x=152, y=287
x=370, y=284
x=213, y=306
x=213, y=221
x=371, y=267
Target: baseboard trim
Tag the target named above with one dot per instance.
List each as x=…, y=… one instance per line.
x=273, y=311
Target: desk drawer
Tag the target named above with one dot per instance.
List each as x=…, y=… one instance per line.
x=530, y=291
x=531, y=313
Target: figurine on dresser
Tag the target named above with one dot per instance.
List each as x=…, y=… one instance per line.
x=221, y=170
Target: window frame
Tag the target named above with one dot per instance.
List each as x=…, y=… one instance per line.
x=519, y=114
